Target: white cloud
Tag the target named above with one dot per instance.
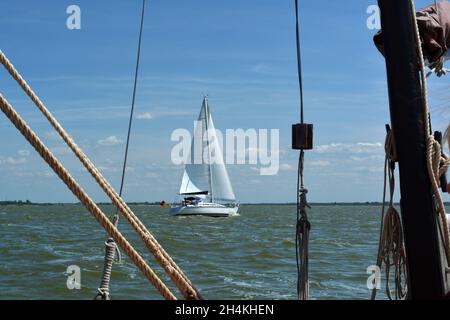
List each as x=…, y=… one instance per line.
x=115, y=169
x=372, y=169
x=32, y=173
x=52, y=135
x=14, y=161
x=61, y=150
x=11, y=161
x=373, y=157
x=263, y=69
x=287, y=167
x=107, y=169
x=319, y=163
x=145, y=116
x=110, y=141
x=23, y=153
x=46, y=174
x=160, y=112
x=359, y=147
x=255, y=152
x=151, y=175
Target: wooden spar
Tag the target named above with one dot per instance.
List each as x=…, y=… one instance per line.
x=425, y=275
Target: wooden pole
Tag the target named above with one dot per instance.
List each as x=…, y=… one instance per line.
x=407, y=118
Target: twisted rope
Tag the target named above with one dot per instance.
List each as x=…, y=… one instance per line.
x=162, y=257
x=84, y=198
x=110, y=253
x=303, y=225
x=302, y=235
x=110, y=246
x=433, y=149
x=391, y=248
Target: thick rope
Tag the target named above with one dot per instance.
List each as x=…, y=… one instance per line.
x=302, y=236
x=162, y=257
x=84, y=198
x=433, y=150
x=110, y=252
x=391, y=248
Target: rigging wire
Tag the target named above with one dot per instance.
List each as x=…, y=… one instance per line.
x=111, y=249
x=133, y=99
x=299, y=60
x=303, y=225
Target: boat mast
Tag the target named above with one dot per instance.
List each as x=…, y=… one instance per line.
x=205, y=101
x=423, y=249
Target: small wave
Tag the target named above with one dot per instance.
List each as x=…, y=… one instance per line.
x=238, y=283
x=26, y=226
x=288, y=242
x=251, y=257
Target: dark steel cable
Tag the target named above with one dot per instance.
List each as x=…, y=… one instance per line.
x=133, y=100
x=303, y=225
x=110, y=246
x=299, y=60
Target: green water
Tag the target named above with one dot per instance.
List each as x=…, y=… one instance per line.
x=250, y=256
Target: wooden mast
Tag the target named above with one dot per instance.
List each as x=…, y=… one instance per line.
x=426, y=280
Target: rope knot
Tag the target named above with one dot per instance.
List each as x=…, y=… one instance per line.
x=438, y=68
x=302, y=225
x=389, y=148
x=103, y=294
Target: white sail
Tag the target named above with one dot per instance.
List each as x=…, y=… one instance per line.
x=221, y=185
x=205, y=170
x=187, y=186
x=196, y=173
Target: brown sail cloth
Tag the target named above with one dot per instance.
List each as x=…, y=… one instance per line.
x=434, y=27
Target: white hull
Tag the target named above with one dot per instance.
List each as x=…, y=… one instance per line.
x=204, y=210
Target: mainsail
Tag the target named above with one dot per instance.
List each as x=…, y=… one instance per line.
x=205, y=171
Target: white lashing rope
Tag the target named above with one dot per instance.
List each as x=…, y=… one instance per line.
x=435, y=163
x=391, y=249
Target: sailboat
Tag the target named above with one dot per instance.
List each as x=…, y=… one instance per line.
x=205, y=187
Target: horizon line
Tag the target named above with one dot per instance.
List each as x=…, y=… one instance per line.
x=27, y=202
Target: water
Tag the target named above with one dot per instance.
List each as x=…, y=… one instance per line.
x=251, y=256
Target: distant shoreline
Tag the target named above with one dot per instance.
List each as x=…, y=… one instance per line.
x=29, y=203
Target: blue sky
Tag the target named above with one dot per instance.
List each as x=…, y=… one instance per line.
x=242, y=53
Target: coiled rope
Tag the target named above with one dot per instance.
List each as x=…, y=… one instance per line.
x=162, y=257
x=111, y=250
x=437, y=161
x=110, y=246
x=391, y=248
x=391, y=243
x=65, y=176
